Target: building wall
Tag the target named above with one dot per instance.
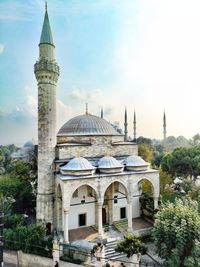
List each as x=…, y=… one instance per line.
x=88, y=209
x=100, y=146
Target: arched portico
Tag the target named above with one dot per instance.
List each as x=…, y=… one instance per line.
x=103, y=199
x=117, y=203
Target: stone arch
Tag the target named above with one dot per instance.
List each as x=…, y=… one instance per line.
x=153, y=185
x=59, y=202
x=82, y=205
x=78, y=185
x=149, y=181
x=115, y=202
x=111, y=182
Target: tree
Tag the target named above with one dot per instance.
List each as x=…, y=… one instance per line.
x=144, y=140
x=195, y=140
x=145, y=152
x=182, y=162
x=176, y=233
x=132, y=244
x=27, y=237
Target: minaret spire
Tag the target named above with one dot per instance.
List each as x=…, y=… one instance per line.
x=164, y=127
x=102, y=112
x=134, y=127
x=46, y=35
x=125, y=126
x=86, y=108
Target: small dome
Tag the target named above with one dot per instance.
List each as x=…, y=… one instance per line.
x=136, y=163
x=87, y=124
x=29, y=144
x=77, y=167
x=109, y=165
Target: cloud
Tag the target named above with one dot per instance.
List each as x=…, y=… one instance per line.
x=2, y=46
x=32, y=105
x=86, y=95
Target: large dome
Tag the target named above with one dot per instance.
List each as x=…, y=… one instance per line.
x=87, y=124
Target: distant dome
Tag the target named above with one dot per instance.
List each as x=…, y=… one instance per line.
x=29, y=144
x=87, y=124
x=136, y=163
x=109, y=165
x=77, y=167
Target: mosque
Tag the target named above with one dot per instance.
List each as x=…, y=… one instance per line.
x=89, y=173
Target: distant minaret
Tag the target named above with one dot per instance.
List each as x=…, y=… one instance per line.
x=134, y=127
x=46, y=72
x=125, y=126
x=102, y=112
x=164, y=127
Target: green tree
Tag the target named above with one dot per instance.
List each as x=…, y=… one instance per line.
x=195, y=140
x=182, y=162
x=165, y=179
x=28, y=238
x=131, y=244
x=145, y=152
x=5, y=156
x=176, y=233
x=144, y=140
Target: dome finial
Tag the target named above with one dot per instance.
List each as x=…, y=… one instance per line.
x=86, y=108
x=78, y=154
x=45, y=5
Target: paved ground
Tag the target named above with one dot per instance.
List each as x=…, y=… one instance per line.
x=10, y=259
x=90, y=233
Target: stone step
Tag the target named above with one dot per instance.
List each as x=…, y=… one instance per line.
x=110, y=252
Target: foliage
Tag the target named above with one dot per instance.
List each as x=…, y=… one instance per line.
x=131, y=244
x=147, y=205
x=19, y=190
x=145, y=152
x=171, y=196
x=195, y=140
x=5, y=156
x=144, y=140
x=182, y=162
x=28, y=238
x=165, y=179
x=177, y=233
x=146, y=187
x=22, y=170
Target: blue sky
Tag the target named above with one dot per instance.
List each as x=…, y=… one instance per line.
x=143, y=54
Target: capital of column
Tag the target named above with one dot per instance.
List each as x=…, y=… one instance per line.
x=100, y=202
x=129, y=199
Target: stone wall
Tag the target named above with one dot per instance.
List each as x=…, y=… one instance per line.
x=29, y=260
x=100, y=146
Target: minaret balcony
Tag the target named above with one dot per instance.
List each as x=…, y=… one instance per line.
x=45, y=65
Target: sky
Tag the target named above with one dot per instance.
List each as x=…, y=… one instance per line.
x=139, y=54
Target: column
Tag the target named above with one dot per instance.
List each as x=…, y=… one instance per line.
x=66, y=230
x=155, y=202
x=100, y=225
x=130, y=215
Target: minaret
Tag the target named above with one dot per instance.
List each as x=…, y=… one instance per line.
x=102, y=112
x=134, y=127
x=125, y=126
x=164, y=127
x=46, y=72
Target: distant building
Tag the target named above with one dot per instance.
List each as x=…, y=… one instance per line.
x=25, y=153
x=88, y=173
